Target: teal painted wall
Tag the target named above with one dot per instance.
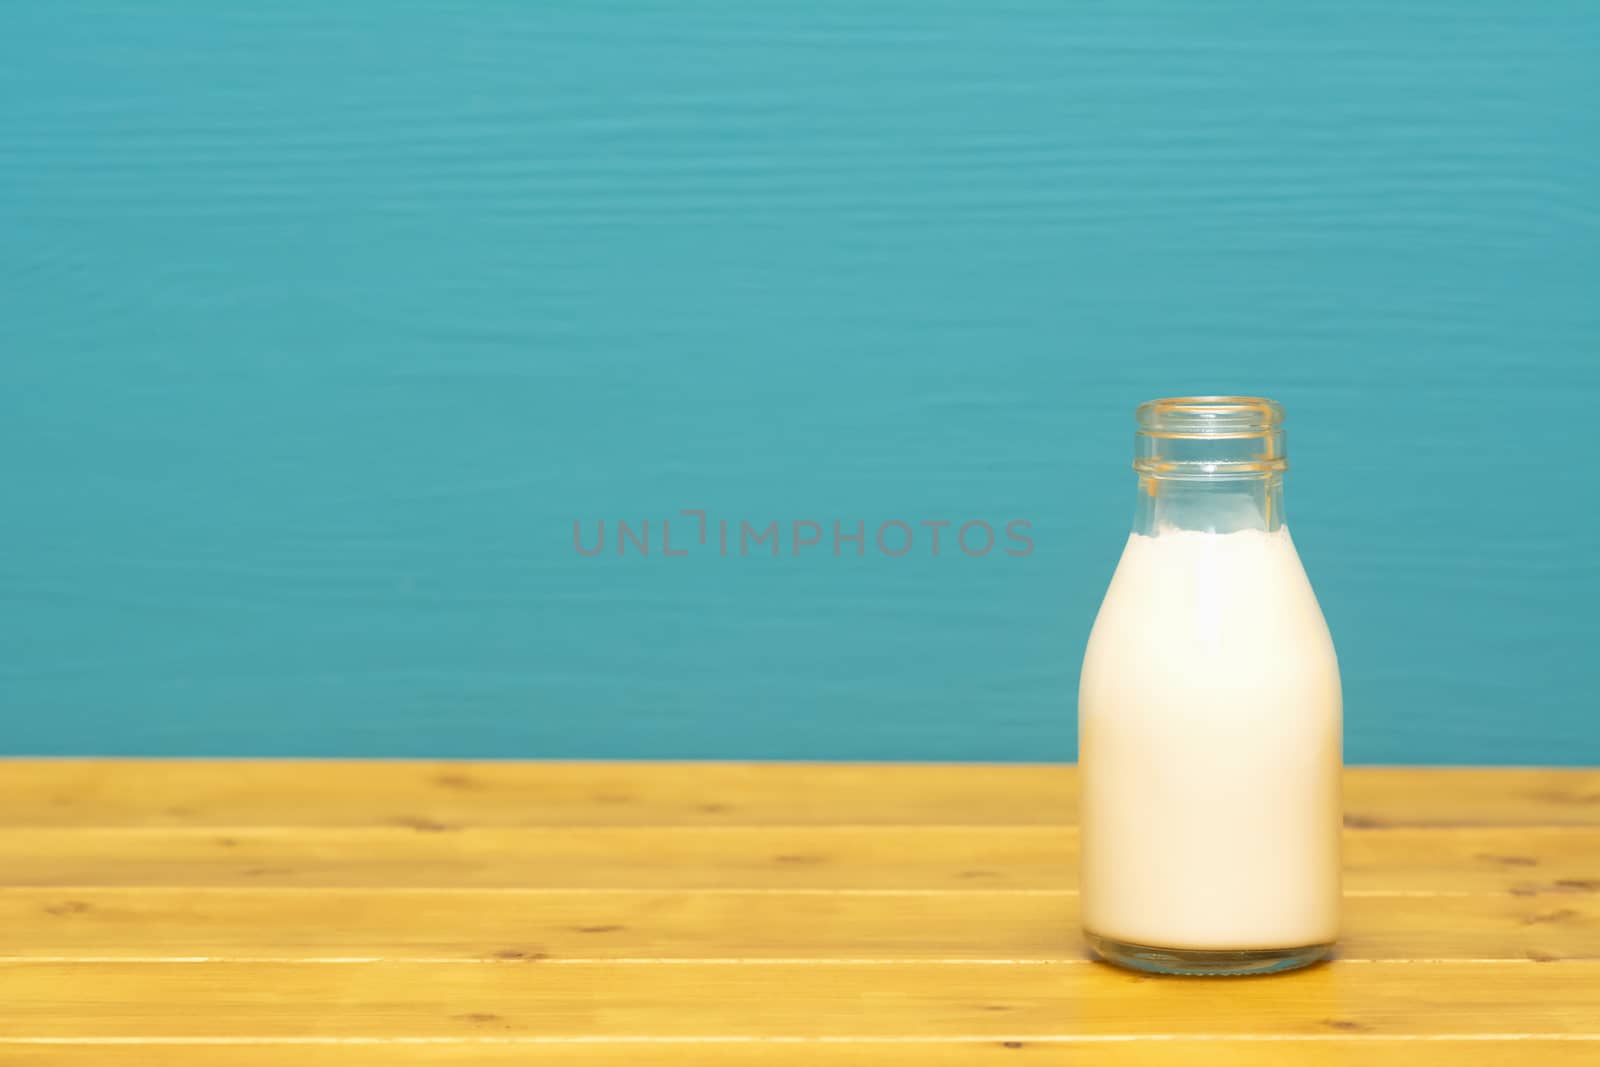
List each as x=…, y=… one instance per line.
x=322, y=323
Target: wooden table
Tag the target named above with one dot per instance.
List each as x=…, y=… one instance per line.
x=233, y=913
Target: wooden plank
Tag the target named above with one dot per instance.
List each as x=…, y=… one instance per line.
x=1471, y=796
x=596, y=1001
x=378, y=793
x=1370, y=1050
x=341, y=925
x=821, y=938
x=1497, y=859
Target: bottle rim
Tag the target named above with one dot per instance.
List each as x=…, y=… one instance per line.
x=1209, y=417
x=1209, y=437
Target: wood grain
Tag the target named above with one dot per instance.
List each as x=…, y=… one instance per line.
x=591, y=1001
x=241, y=913
x=1033, y=858
x=1341, y=1050
x=762, y=1000
x=458, y=925
x=82, y=793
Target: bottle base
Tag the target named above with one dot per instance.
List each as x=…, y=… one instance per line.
x=1195, y=961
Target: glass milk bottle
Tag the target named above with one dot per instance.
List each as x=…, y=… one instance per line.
x=1209, y=713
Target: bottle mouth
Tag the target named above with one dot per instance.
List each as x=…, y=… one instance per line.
x=1209, y=437
x=1209, y=416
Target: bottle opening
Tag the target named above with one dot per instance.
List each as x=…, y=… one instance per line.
x=1209, y=416
x=1209, y=437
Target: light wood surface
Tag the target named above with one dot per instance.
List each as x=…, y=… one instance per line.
x=1320, y=1051
x=278, y=793
x=1023, y=858
x=459, y=925
x=363, y=913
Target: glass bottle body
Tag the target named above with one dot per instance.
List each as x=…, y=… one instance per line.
x=1210, y=714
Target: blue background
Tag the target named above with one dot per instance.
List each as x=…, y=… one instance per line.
x=321, y=324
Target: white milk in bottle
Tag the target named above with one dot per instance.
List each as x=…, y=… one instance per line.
x=1209, y=714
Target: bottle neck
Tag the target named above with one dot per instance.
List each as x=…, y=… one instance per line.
x=1212, y=464
x=1209, y=505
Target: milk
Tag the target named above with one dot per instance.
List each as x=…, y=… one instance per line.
x=1209, y=742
